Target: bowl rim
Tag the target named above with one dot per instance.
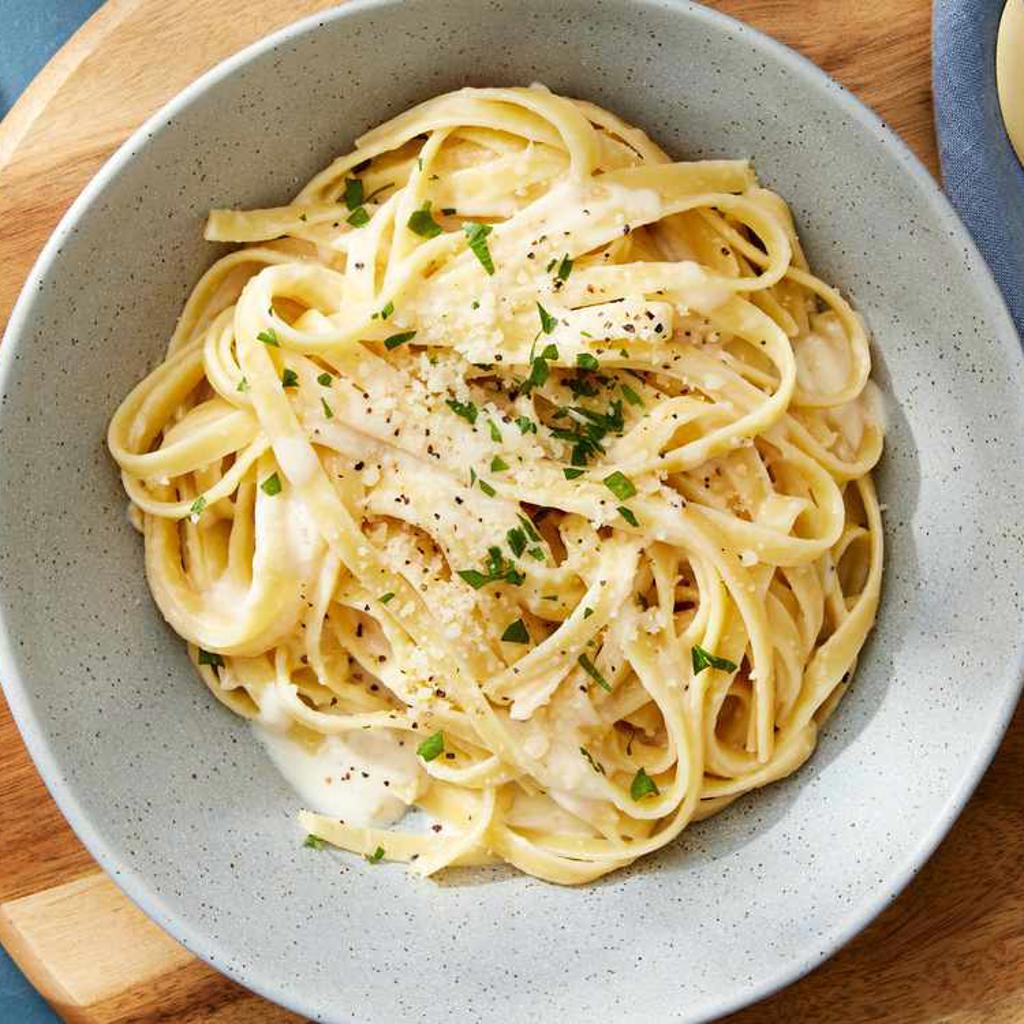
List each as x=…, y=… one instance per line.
x=158, y=908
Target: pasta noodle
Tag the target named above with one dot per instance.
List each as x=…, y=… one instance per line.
x=520, y=474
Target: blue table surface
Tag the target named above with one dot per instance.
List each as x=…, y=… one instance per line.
x=32, y=31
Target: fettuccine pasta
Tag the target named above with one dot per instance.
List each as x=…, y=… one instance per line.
x=518, y=474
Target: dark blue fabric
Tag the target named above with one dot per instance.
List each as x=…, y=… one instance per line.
x=980, y=171
x=33, y=30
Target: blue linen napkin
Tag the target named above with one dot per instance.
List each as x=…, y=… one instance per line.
x=980, y=171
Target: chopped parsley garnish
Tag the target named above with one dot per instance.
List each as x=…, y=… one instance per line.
x=423, y=224
x=289, y=378
x=328, y=411
x=705, y=659
x=627, y=514
x=620, y=485
x=467, y=410
x=539, y=370
x=377, y=856
x=431, y=747
x=353, y=193
x=498, y=464
x=538, y=554
x=551, y=265
x=476, y=236
x=591, y=669
x=325, y=379
x=631, y=396
x=528, y=526
x=398, y=339
x=547, y=321
x=643, y=785
x=358, y=217
x=564, y=268
x=516, y=633
x=384, y=598
x=572, y=474
x=486, y=488
x=303, y=217
x=498, y=569
x=587, y=362
x=272, y=485
x=198, y=505
x=386, y=311
x=526, y=425
x=269, y=337
x=211, y=659
x=587, y=612
x=596, y=765
x=314, y=842
x=243, y=385
x=516, y=541
x=589, y=430
x=495, y=432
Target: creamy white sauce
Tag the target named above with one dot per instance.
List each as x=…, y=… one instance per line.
x=362, y=778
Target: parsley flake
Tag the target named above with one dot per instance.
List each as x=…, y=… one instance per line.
x=384, y=598
x=596, y=765
x=516, y=633
x=498, y=568
x=526, y=425
x=243, y=385
x=628, y=515
x=498, y=464
x=476, y=236
x=703, y=659
x=314, y=842
x=643, y=785
x=325, y=379
x=516, y=541
x=431, y=747
x=272, y=485
x=377, y=856
x=486, y=488
x=198, y=505
x=398, y=339
x=564, y=268
x=328, y=411
x=620, y=485
x=358, y=217
x=591, y=669
x=353, y=195
x=495, y=432
x=421, y=222
x=587, y=362
x=269, y=337
x=211, y=659
x=631, y=396
x=547, y=322
x=467, y=410
x=289, y=378
x=572, y=474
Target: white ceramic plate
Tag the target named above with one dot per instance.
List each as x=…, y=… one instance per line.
x=169, y=791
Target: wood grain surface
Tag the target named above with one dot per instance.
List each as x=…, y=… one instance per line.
x=950, y=949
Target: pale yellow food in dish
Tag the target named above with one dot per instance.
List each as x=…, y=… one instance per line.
x=518, y=474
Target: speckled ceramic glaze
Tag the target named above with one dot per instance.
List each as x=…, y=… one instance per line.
x=168, y=789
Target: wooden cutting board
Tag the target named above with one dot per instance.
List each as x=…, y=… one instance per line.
x=950, y=949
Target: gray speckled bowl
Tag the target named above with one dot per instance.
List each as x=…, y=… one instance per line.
x=167, y=788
